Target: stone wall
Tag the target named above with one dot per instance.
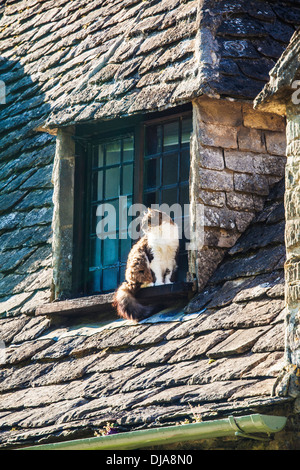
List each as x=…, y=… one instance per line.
x=237, y=154
x=292, y=235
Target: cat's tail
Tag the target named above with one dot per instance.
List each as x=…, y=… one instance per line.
x=127, y=305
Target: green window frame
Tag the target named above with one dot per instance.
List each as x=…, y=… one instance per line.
x=148, y=162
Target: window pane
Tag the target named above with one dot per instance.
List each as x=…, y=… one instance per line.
x=127, y=179
x=151, y=173
x=185, y=165
x=98, y=153
x=97, y=186
x=170, y=169
x=95, y=252
x=112, y=183
x=128, y=149
x=184, y=195
x=151, y=198
x=169, y=196
x=94, y=281
x=125, y=248
x=187, y=126
x=110, y=279
x=113, y=152
x=110, y=251
x=153, y=140
x=171, y=136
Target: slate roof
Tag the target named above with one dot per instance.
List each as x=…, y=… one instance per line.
x=278, y=90
x=47, y=48
x=69, y=62
x=221, y=355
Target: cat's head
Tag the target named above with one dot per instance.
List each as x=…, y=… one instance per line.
x=154, y=218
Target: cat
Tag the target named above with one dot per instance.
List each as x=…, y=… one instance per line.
x=151, y=261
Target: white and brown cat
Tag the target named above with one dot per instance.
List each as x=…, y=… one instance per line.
x=151, y=261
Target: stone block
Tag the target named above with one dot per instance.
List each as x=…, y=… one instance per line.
x=269, y=165
x=292, y=174
x=215, y=180
x=211, y=158
x=292, y=204
x=239, y=161
x=257, y=184
x=216, y=135
x=251, y=139
x=260, y=120
x=212, y=198
x=214, y=236
x=223, y=112
x=292, y=233
x=240, y=201
x=292, y=271
x=292, y=294
x=276, y=143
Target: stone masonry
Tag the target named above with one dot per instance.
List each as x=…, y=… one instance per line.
x=292, y=235
x=237, y=154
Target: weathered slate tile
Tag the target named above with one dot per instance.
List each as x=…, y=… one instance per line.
x=238, y=342
x=25, y=351
x=199, y=346
x=271, y=341
x=66, y=371
x=113, y=361
x=33, y=329
x=59, y=349
x=160, y=353
x=213, y=392
x=11, y=327
x=11, y=379
x=230, y=368
x=153, y=334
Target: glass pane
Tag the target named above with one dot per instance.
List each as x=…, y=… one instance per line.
x=151, y=198
x=110, y=279
x=98, y=153
x=185, y=165
x=170, y=169
x=169, y=196
x=113, y=152
x=95, y=252
x=122, y=274
x=94, y=281
x=184, y=195
x=112, y=183
x=128, y=149
x=153, y=140
x=125, y=248
x=97, y=186
x=110, y=251
x=187, y=127
x=127, y=179
x=171, y=136
x=151, y=173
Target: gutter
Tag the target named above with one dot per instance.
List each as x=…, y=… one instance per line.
x=250, y=426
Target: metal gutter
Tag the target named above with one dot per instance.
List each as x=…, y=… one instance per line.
x=250, y=426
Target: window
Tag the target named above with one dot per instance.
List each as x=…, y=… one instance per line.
x=146, y=162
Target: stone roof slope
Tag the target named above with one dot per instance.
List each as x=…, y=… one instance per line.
x=278, y=90
x=95, y=60
x=47, y=49
x=220, y=356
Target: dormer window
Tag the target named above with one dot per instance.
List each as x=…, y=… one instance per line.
x=142, y=161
